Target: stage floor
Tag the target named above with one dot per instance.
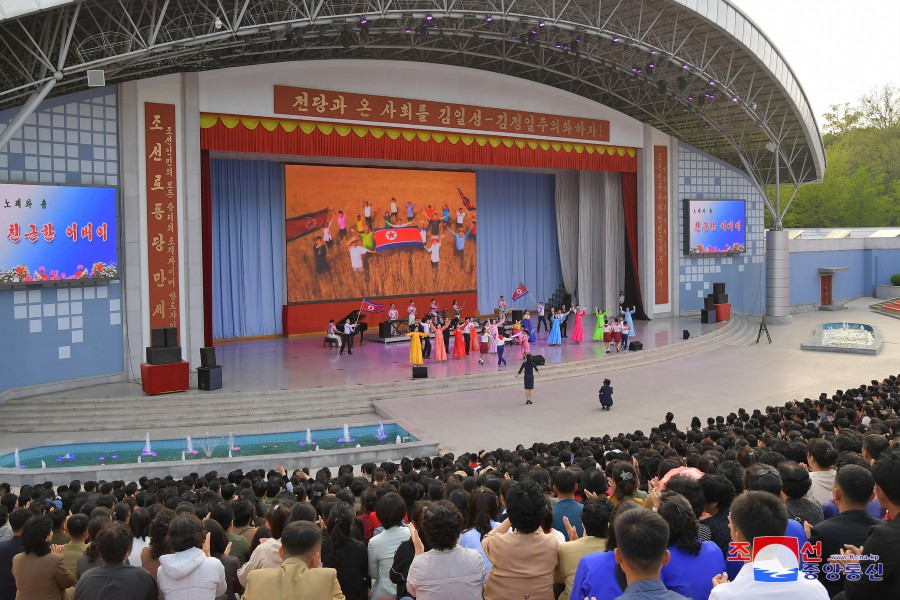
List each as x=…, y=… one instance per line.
x=302, y=362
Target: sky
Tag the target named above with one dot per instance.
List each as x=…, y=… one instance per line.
x=838, y=49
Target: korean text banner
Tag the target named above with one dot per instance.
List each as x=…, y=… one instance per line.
x=715, y=227
x=57, y=233
x=378, y=232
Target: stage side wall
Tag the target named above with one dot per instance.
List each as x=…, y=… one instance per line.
x=869, y=261
x=71, y=332
x=700, y=176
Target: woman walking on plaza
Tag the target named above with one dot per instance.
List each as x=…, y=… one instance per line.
x=578, y=328
x=530, y=369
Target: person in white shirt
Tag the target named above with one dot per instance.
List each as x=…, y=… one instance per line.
x=460, y=216
x=332, y=332
x=349, y=328
x=356, y=256
x=390, y=510
x=367, y=212
x=447, y=571
x=435, y=251
x=541, y=318
x=394, y=210
x=754, y=515
x=425, y=327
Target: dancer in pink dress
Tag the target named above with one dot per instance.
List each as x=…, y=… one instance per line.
x=440, y=352
x=459, y=343
x=493, y=328
x=578, y=329
x=522, y=339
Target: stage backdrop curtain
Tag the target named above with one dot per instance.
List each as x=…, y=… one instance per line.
x=601, y=239
x=516, y=237
x=248, y=247
x=567, y=227
x=632, y=286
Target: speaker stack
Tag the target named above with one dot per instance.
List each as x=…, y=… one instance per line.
x=164, y=348
x=209, y=374
x=715, y=306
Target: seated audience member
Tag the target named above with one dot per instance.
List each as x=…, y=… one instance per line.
x=718, y=494
x=345, y=554
x=524, y=559
x=10, y=548
x=189, y=573
x=267, y=555
x=765, y=478
x=390, y=510
x=795, y=484
x=140, y=529
x=482, y=508
x=159, y=542
x=598, y=575
x=853, y=489
x=692, y=564
x=224, y=515
x=300, y=575
x=447, y=571
x=218, y=544
x=641, y=540
x=60, y=537
x=565, y=484
x=39, y=571
x=406, y=551
x=883, y=540
x=91, y=558
x=116, y=579
x=243, y=520
x=5, y=529
x=77, y=525
x=757, y=514
x=821, y=457
x=595, y=519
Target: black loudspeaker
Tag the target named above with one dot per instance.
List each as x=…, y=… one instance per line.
x=635, y=346
x=384, y=329
x=517, y=315
x=709, y=302
x=538, y=359
x=158, y=338
x=209, y=378
x=708, y=315
x=685, y=334
x=207, y=357
x=171, y=337
x=720, y=298
x=163, y=356
x=719, y=288
x=420, y=372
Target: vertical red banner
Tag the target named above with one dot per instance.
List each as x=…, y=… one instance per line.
x=162, y=214
x=661, y=220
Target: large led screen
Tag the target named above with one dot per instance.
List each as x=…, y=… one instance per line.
x=715, y=227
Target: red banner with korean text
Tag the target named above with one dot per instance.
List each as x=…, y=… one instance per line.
x=661, y=220
x=162, y=214
x=369, y=108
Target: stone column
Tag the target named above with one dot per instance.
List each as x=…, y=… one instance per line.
x=778, y=285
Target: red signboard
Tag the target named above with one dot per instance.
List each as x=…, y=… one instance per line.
x=661, y=221
x=368, y=108
x=162, y=214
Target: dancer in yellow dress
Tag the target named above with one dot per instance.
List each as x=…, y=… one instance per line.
x=415, y=347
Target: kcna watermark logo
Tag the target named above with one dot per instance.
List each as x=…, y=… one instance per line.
x=781, y=559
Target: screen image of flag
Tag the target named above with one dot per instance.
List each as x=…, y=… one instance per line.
x=519, y=292
x=397, y=237
x=465, y=200
x=371, y=307
x=297, y=227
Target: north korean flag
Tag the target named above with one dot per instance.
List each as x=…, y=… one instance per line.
x=371, y=307
x=519, y=292
x=297, y=227
x=397, y=237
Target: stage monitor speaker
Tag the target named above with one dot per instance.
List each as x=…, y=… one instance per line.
x=720, y=298
x=685, y=333
x=633, y=346
x=719, y=288
x=96, y=78
x=517, y=315
x=209, y=378
x=538, y=359
x=171, y=337
x=163, y=356
x=420, y=372
x=208, y=357
x=709, y=302
x=158, y=338
x=384, y=330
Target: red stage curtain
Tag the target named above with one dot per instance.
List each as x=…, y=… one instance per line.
x=273, y=136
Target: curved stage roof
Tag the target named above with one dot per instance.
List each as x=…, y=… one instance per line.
x=699, y=70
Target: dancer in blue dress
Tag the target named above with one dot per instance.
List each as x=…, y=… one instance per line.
x=555, y=337
x=526, y=325
x=627, y=314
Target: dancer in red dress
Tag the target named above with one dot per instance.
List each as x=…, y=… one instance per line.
x=440, y=352
x=459, y=343
x=578, y=329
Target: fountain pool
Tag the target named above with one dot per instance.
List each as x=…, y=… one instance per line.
x=853, y=338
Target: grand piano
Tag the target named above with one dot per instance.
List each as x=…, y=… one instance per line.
x=355, y=317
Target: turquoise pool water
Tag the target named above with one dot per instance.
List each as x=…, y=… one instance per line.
x=206, y=445
x=849, y=326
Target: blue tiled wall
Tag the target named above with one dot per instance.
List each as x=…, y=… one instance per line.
x=57, y=334
x=700, y=176
x=858, y=280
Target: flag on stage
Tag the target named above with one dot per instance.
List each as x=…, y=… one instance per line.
x=519, y=291
x=397, y=237
x=465, y=200
x=371, y=307
x=297, y=227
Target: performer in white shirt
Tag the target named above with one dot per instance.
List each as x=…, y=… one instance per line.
x=349, y=328
x=425, y=327
x=542, y=318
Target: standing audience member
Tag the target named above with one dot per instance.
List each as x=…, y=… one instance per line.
x=524, y=559
x=190, y=573
x=301, y=575
x=39, y=571
x=116, y=579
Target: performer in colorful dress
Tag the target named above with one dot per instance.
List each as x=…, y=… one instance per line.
x=411, y=312
x=627, y=314
x=578, y=328
x=501, y=345
x=493, y=328
x=607, y=335
x=474, y=345
x=459, y=342
x=415, y=347
x=440, y=351
x=485, y=343
x=527, y=326
x=555, y=337
x=598, y=328
x=522, y=339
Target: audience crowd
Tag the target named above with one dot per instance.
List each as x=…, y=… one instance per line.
x=794, y=501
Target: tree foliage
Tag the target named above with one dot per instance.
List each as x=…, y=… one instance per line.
x=861, y=187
